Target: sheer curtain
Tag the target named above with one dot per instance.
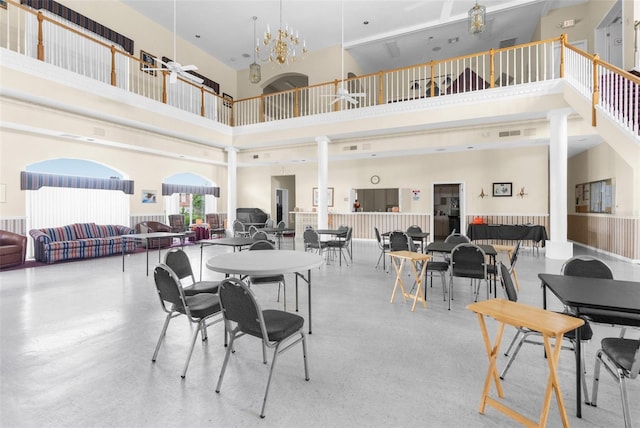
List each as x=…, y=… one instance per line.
x=74, y=206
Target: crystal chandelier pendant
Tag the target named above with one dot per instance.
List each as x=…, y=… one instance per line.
x=477, y=15
x=284, y=47
x=255, y=74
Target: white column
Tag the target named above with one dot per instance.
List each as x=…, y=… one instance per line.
x=323, y=172
x=558, y=247
x=232, y=187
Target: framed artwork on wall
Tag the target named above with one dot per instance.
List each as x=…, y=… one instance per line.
x=329, y=196
x=502, y=189
x=228, y=99
x=147, y=61
x=149, y=196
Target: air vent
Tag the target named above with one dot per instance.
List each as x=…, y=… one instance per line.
x=256, y=156
x=349, y=148
x=507, y=43
x=503, y=134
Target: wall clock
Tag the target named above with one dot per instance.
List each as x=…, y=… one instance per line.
x=375, y=179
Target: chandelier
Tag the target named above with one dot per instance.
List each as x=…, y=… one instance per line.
x=255, y=75
x=284, y=45
x=477, y=15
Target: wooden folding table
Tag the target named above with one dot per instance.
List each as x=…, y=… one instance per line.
x=550, y=324
x=413, y=258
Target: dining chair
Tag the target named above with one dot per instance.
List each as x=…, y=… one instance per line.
x=269, y=223
x=216, y=227
x=417, y=241
x=260, y=235
x=399, y=241
x=384, y=248
x=468, y=261
x=312, y=242
x=455, y=238
x=341, y=244
x=525, y=335
x=279, y=279
x=252, y=231
x=278, y=330
x=202, y=309
x=179, y=262
x=238, y=229
x=292, y=234
x=621, y=359
x=176, y=222
x=494, y=270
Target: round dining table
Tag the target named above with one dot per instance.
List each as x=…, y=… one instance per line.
x=269, y=263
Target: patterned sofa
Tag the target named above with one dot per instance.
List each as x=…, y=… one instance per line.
x=80, y=241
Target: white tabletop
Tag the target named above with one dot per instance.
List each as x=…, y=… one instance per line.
x=264, y=262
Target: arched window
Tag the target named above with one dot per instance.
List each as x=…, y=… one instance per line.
x=190, y=195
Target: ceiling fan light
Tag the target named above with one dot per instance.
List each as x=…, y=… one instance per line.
x=477, y=19
x=255, y=74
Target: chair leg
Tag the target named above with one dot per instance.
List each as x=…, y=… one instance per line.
x=226, y=359
x=193, y=344
x=444, y=286
x=304, y=355
x=273, y=365
x=513, y=341
x=513, y=356
x=596, y=379
x=625, y=400
x=450, y=291
x=161, y=338
x=583, y=376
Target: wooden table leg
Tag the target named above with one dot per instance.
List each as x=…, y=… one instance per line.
x=492, y=353
x=398, y=279
x=553, y=356
x=419, y=283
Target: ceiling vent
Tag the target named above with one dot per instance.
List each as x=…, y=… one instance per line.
x=503, y=134
x=256, y=156
x=507, y=43
x=349, y=148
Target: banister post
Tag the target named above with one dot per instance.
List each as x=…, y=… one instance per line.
x=261, y=108
x=335, y=91
x=113, y=66
x=380, y=87
x=492, y=68
x=596, y=89
x=202, y=109
x=563, y=41
x=40, y=37
x=432, y=84
x=296, y=103
x=164, y=86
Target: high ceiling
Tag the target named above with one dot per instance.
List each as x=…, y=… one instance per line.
x=397, y=33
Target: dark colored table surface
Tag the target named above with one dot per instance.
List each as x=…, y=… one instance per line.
x=447, y=247
x=510, y=232
x=595, y=293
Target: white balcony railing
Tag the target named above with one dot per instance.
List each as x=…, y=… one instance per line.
x=52, y=40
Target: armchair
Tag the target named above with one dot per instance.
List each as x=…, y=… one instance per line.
x=154, y=226
x=13, y=249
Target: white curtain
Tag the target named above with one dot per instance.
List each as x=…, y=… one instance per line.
x=74, y=206
x=73, y=52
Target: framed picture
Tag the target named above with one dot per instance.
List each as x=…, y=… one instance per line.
x=329, y=196
x=147, y=61
x=149, y=196
x=227, y=97
x=502, y=189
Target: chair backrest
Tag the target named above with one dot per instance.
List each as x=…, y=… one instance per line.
x=469, y=261
x=414, y=229
x=507, y=283
x=252, y=230
x=269, y=223
x=399, y=241
x=168, y=287
x=282, y=224
x=514, y=256
x=238, y=226
x=179, y=263
x=262, y=245
x=176, y=221
x=456, y=238
x=213, y=220
x=349, y=234
x=260, y=235
x=239, y=305
x=635, y=366
x=378, y=236
x=310, y=236
x=587, y=266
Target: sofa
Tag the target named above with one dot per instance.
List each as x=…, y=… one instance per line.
x=80, y=241
x=13, y=249
x=154, y=226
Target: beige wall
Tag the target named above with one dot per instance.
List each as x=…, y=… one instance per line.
x=477, y=170
x=601, y=163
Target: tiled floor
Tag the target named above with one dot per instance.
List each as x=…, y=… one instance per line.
x=77, y=339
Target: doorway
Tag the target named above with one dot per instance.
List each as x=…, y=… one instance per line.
x=283, y=200
x=447, y=213
x=608, y=38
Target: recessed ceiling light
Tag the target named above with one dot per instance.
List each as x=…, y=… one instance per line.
x=436, y=48
x=440, y=150
x=366, y=22
x=197, y=36
x=246, y=55
x=470, y=147
x=454, y=40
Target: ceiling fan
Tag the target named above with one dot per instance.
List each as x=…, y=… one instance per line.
x=342, y=93
x=176, y=69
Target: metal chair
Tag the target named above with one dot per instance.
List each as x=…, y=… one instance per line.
x=468, y=261
x=238, y=229
x=384, y=248
x=283, y=225
x=216, y=227
x=417, y=241
x=179, y=262
x=524, y=334
x=276, y=329
x=201, y=309
x=312, y=241
x=341, y=245
x=176, y=222
x=279, y=279
x=621, y=358
x=252, y=230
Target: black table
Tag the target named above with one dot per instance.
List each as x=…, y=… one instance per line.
x=507, y=232
x=593, y=293
x=422, y=236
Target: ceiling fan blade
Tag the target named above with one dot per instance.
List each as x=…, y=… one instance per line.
x=194, y=79
x=359, y=94
x=189, y=67
x=173, y=77
x=351, y=100
x=334, y=101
